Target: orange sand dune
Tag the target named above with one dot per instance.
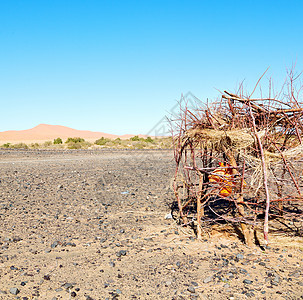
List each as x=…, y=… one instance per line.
x=45, y=132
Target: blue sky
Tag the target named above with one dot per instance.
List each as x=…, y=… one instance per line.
x=119, y=66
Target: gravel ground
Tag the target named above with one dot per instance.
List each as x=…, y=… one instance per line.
x=91, y=225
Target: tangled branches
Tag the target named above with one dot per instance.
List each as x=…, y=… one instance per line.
x=240, y=160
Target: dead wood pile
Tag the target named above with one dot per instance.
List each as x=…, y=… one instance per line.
x=240, y=160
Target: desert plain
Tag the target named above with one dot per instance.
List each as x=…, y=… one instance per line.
x=84, y=224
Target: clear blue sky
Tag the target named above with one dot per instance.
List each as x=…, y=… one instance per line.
x=119, y=66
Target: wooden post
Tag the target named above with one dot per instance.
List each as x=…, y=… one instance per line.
x=247, y=230
x=200, y=209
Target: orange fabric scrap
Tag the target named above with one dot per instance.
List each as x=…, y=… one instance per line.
x=225, y=177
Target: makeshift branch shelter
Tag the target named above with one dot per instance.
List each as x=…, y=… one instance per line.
x=240, y=160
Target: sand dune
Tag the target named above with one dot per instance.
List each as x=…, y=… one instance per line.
x=45, y=132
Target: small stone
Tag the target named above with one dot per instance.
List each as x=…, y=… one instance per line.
x=16, y=239
x=58, y=289
x=250, y=294
x=168, y=216
x=224, y=280
x=118, y=291
x=14, y=291
x=67, y=285
x=194, y=283
x=71, y=244
x=240, y=256
x=168, y=283
x=112, y=264
x=46, y=277
x=225, y=262
x=191, y=289
x=295, y=274
x=270, y=274
x=247, y=281
x=73, y=294
x=23, y=283
x=54, y=244
x=208, y=279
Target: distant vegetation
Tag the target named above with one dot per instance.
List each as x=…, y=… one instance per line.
x=77, y=143
x=102, y=141
x=74, y=140
x=135, y=138
x=47, y=143
x=134, y=142
x=57, y=141
x=149, y=140
x=15, y=146
x=7, y=145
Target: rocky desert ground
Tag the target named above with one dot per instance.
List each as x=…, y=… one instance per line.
x=91, y=225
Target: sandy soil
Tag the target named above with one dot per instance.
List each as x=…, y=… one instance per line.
x=91, y=225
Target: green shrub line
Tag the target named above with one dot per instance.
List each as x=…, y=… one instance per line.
x=134, y=142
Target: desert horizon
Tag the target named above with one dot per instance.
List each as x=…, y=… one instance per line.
x=46, y=132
